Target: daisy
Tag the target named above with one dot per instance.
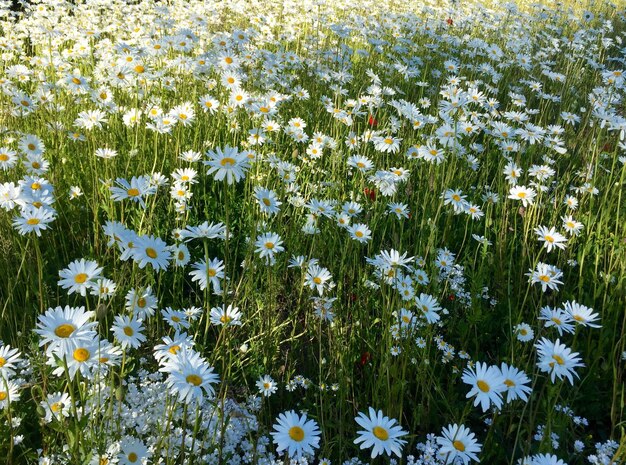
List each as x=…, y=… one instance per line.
x=557, y=359
x=33, y=219
x=386, y=144
x=9, y=392
x=380, y=433
x=79, y=276
x=268, y=245
x=132, y=451
x=59, y=326
x=571, y=226
x=172, y=345
x=429, y=307
x=524, y=332
x=127, y=330
x=135, y=190
x=363, y=164
x=546, y=275
x=56, y=406
x=458, y=443
x=550, y=238
x=268, y=201
x=317, y=277
x=153, y=251
x=487, y=385
x=225, y=316
x=516, y=383
x=228, y=163
x=581, y=314
x=190, y=376
x=141, y=302
x=204, y=231
x=401, y=210
x=266, y=385
x=523, y=193
x=175, y=318
x=557, y=318
x=8, y=358
x=206, y=273
x=78, y=356
x=295, y=434
x=360, y=232
x=8, y=158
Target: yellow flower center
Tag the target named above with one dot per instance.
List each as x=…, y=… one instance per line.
x=269, y=245
x=133, y=192
x=128, y=331
x=458, y=445
x=358, y=234
x=76, y=81
x=56, y=407
x=139, y=69
x=225, y=319
x=521, y=195
x=80, y=278
x=228, y=60
x=558, y=359
x=174, y=349
x=456, y=197
x=296, y=433
x=549, y=239
x=3, y=362
x=212, y=273
x=556, y=320
x=194, y=380
x=509, y=383
x=317, y=280
x=3, y=395
x=31, y=146
x=227, y=161
x=150, y=252
x=545, y=278
x=483, y=386
x=266, y=385
x=64, y=330
x=4, y=157
x=132, y=457
x=32, y=221
x=81, y=354
x=381, y=433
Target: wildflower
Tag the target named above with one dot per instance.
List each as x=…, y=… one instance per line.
x=228, y=163
x=151, y=250
x=487, y=385
x=295, y=434
x=360, y=232
x=550, y=238
x=190, y=376
x=547, y=275
x=225, y=316
x=581, y=314
x=268, y=245
x=208, y=272
x=557, y=359
x=79, y=276
x=33, y=219
x=515, y=381
x=458, y=443
x=380, y=433
x=524, y=332
x=127, y=330
x=523, y=193
x=266, y=385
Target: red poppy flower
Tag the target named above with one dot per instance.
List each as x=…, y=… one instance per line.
x=372, y=121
